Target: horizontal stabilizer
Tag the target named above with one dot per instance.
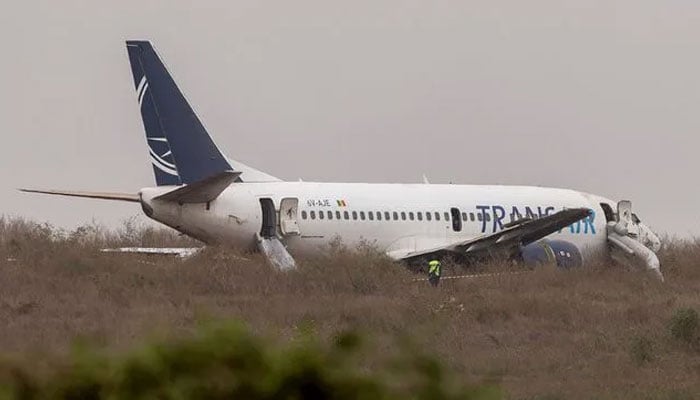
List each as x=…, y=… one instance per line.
x=90, y=195
x=201, y=191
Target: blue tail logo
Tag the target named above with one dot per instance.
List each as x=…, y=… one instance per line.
x=141, y=90
x=180, y=149
x=163, y=161
x=158, y=147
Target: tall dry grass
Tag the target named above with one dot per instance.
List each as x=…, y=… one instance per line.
x=596, y=332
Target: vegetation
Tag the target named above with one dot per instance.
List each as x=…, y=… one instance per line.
x=641, y=350
x=227, y=362
x=596, y=332
x=685, y=326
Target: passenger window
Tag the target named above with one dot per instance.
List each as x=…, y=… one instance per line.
x=471, y=216
x=480, y=217
x=488, y=217
x=313, y=214
x=370, y=214
x=410, y=215
x=396, y=216
x=354, y=215
x=447, y=216
x=387, y=216
x=419, y=215
x=403, y=215
x=303, y=214
x=379, y=215
x=337, y=215
x=437, y=216
x=320, y=215
x=346, y=215
x=362, y=215
x=428, y=215
x=330, y=214
x=464, y=216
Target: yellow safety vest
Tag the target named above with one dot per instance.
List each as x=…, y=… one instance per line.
x=434, y=267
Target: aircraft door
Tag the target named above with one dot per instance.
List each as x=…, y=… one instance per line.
x=624, y=211
x=626, y=219
x=289, y=224
x=456, y=219
x=609, y=213
x=269, y=218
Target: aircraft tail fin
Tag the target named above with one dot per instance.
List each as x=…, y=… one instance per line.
x=180, y=148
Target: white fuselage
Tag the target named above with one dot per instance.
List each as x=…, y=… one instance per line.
x=420, y=216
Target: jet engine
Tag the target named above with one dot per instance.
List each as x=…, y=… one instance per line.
x=564, y=254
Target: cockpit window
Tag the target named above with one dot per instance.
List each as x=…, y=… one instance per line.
x=635, y=219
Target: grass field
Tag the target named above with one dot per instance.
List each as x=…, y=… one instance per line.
x=598, y=332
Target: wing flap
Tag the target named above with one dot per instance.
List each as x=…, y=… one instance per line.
x=201, y=191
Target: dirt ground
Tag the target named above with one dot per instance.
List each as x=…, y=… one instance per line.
x=596, y=332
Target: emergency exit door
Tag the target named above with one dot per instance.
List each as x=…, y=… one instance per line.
x=289, y=224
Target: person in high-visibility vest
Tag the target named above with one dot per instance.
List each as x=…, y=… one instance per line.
x=434, y=272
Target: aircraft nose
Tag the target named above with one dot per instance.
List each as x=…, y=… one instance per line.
x=652, y=239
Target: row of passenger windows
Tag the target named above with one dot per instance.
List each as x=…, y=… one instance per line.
x=389, y=215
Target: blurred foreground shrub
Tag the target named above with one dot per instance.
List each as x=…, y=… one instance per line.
x=227, y=362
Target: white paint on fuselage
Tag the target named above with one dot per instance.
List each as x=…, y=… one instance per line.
x=235, y=216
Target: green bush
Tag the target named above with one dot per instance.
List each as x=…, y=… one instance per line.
x=685, y=326
x=227, y=362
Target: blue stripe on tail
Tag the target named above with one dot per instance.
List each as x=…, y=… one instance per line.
x=181, y=150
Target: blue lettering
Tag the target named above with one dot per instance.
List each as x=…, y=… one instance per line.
x=588, y=223
x=529, y=213
x=515, y=214
x=575, y=227
x=482, y=210
x=499, y=213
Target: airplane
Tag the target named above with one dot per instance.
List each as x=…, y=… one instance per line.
x=203, y=194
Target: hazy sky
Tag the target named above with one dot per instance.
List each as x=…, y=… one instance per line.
x=600, y=96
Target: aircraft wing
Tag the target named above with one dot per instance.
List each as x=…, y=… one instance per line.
x=182, y=252
x=507, y=241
